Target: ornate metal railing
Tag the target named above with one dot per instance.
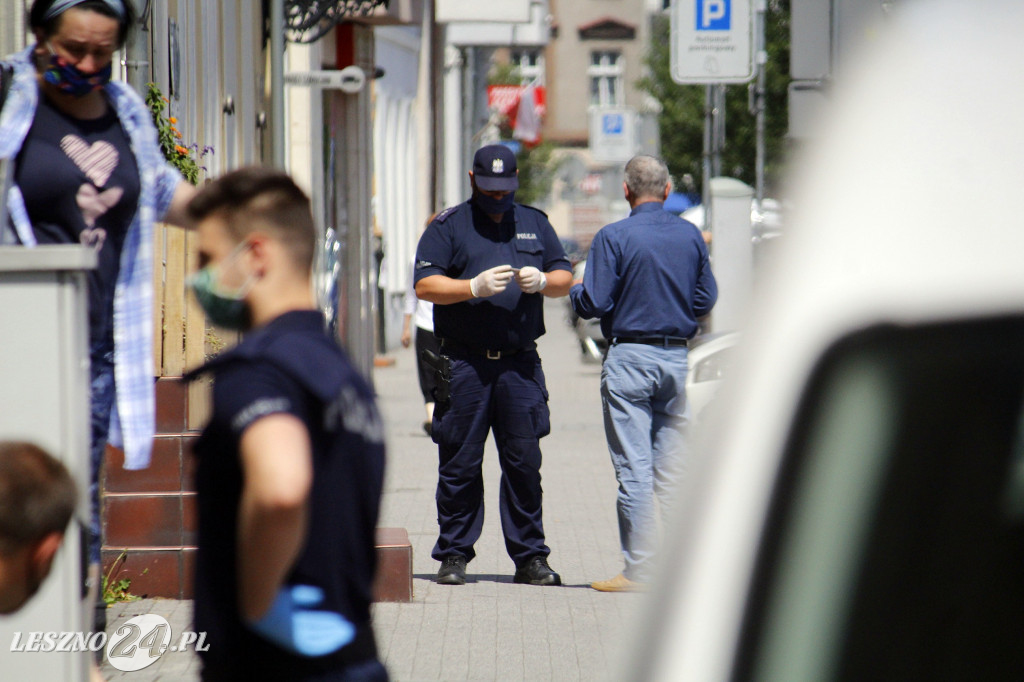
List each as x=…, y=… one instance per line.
x=308, y=20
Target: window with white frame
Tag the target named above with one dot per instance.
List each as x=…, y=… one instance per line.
x=530, y=64
x=605, y=74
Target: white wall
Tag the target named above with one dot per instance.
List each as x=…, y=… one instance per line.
x=304, y=127
x=399, y=176
x=12, y=28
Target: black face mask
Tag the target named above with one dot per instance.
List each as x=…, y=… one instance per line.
x=492, y=206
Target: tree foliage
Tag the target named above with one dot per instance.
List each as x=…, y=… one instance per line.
x=537, y=170
x=681, y=120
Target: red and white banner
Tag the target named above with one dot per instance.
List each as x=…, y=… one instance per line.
x=524, y=106
x=526, y=127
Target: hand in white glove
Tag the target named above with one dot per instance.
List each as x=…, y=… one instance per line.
x=491, y=282
x=531, y=280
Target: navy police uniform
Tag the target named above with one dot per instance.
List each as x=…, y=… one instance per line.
x=291, y=366
x=496, y=377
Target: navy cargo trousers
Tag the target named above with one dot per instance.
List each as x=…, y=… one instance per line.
x=507, y=395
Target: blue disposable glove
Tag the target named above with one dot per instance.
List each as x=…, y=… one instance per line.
x=293, y=623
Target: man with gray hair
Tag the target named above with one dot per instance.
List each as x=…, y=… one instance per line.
x=648, y=279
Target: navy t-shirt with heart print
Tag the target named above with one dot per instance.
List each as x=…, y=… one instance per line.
x=81, y=186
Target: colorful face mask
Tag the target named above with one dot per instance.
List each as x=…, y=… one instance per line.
x=226, y=309
x=69, y=78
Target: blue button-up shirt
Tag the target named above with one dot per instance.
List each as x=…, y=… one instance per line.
x=647, y=275
x=133, y=419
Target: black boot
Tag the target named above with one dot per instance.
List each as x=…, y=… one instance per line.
x=537, y=572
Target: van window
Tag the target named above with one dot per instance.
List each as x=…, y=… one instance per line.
x=894, y=547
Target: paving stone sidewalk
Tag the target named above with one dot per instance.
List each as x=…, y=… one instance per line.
x=490, y=628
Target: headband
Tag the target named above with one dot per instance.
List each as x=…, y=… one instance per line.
x=61, y=6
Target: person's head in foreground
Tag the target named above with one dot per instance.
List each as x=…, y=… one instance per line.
x=37, y=499
x=256, y=245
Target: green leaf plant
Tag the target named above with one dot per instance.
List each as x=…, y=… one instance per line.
x=186, y=158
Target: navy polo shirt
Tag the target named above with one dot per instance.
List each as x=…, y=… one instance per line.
x=289, y=366
x=647, y=275
x=461, y=242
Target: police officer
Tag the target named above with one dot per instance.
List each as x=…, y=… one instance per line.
x=291, y=463
x=485, y=265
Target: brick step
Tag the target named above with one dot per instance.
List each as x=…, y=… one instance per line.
x=166, y=572
x=394, y=566
x=149, y=517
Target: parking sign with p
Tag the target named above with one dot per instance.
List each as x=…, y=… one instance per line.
x=712, y=41
x=713, y=15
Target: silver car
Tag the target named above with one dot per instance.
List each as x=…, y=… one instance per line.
x=710, y=361
x=856, y=511
x=588, y=332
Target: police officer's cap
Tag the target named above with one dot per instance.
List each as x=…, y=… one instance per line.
x=494, y=169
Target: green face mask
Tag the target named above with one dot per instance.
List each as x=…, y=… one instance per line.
x=224, y=309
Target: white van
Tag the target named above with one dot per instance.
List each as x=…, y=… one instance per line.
x=857, y=510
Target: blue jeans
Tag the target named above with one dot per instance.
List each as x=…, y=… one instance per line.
x=101, y=402
x=643, y=395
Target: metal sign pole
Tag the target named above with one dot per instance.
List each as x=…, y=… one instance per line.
x=277, y=127
x=761, y=57
x=705, y=183
x=711, y=44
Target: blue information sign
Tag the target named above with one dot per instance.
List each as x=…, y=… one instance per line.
x=612, y=124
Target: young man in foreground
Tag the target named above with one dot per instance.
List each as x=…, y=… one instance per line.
x=291, y=463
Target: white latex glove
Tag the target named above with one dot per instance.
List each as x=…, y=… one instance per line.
x=531, y=280
x=491, y=282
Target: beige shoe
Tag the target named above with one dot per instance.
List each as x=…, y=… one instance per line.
x=619, y=583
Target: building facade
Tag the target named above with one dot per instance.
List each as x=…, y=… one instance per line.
x=594, y=59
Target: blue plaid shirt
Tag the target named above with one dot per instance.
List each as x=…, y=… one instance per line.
x=132, y=423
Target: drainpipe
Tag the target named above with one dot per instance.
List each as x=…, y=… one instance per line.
x=136, y=55
x=277, y=128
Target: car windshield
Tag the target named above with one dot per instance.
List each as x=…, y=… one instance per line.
x=896, y=541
